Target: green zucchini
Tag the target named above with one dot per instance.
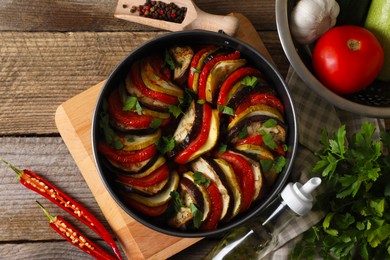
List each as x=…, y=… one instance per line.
x=378, y=22
x=352, y=12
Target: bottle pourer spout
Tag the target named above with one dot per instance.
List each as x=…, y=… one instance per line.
x=310, y=186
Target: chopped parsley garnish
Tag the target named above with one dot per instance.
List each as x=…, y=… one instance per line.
x=243, y=133
x=222, y=148
x=131, y=104
x=197, y=215
x=156, y=123
x=250, y=81
x=199, y=178
x=201, y=101
x=226, y=110
x=176, y=200
x=168, y=61
x=270, y=123
x=268, y=139
x=165, y=144
x=195, y=70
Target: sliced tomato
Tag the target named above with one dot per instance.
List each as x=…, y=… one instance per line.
x=150, y=211
x=197, y=64
x=123, y=157
x=260, y=98
x=206, y=69
x=232, y=79
x=129, y=119
x=140, y=85
x=183, y=156
x=212, y=220
x=245, y=176
x=153, y=178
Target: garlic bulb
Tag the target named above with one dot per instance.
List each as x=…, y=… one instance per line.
x=311, y=18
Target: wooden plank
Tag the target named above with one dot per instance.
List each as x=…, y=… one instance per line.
x=40, y=70
x=50, y=158
x=82, y=15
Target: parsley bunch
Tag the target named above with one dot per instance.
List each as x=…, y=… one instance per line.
x=356, y=198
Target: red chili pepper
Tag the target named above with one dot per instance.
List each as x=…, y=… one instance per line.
x=183, y=156
x=41, y=186
x=122, y=156
x=151, y=179
x=245, y=177
x=232, y=79
x=260, y=98
x=74, y=236
x=206, y=69
x=140, y=85
x=211, y=222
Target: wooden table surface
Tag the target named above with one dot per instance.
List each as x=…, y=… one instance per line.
x=50, y=51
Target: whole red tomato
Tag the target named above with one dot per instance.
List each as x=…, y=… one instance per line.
x=346, y=59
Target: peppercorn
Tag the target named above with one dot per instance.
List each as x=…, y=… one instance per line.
x=161, y=11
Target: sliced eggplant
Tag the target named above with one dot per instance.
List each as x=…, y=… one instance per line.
x=191, y=193
x=182, y=219
x=161, y=197
x=189, y=125
x=254, y=124
x=182, y=56
x=233, y=185
x=205, y=166
x=206, y=198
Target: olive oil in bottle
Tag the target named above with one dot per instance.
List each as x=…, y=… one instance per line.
x=255, y=239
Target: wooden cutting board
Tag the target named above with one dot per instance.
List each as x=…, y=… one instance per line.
x=74, y=118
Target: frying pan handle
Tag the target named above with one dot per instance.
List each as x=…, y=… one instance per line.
x=211, y=22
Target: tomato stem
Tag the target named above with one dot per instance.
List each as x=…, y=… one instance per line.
x=354, y=45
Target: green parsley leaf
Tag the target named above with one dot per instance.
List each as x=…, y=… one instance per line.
x=165, y=144
x=200, y=179
x=131, y=103
x=195, y=70
x=250, y=81
x=169, y=62
x=222, y=148
x=270, y=123
x=175, y=111
x=156, y=123
x=226, y=110
x=109, y=134
x=201, y=101
x=266, y=164
x=176, y=200
x=197, y=215
x=279, y=163
x=243, y=133
x=268, y=139
x=356, y=197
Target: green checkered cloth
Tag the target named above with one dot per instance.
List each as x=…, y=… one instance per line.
x=314, y=114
